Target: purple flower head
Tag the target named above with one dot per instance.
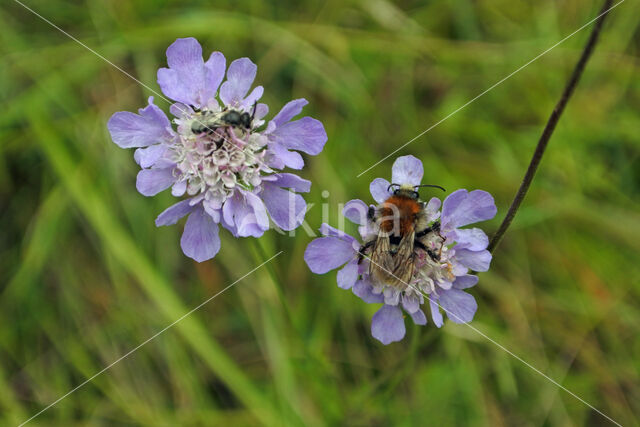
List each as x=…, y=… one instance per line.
x=220, y=157
x=442, y=258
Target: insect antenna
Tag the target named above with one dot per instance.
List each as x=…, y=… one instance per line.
x=427, y=185
x=253, y=112
x=391, y=185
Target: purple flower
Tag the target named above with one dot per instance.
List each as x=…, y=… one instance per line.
x=219, y=154
x=441, y=282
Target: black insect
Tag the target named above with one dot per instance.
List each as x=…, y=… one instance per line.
x=204, y=124
x=209, y=122
x=237, y=119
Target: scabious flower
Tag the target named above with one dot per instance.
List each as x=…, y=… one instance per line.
x=442, y=282
x=227, y=174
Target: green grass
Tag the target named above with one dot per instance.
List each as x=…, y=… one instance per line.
x=85, y=276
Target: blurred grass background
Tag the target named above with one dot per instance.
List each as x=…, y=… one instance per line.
x=85, y=276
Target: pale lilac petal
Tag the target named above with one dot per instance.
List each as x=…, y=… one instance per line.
x=391, y=296
x=289, y=111
x=445, y=284
x=451, y=204
x=259, y=209
x=287, y=209
x=181, y=110
x=410, y=303
x=244, y=215
x=327, y=230
x=473, y=239
x=364, y=290
x=379, y=189
x=174, y=213
x=459, y=305
x=418, y=317
x=458, y=269
x=240, y=76
x=200, y=239
x=261, y=111
x=196, y=199
x=289, y=180
x=214, y=212
x=432, y=209
x=387, y=325
x=270, y=128
x=184, y=53
x=461, y=208
x=147, y=157
x=179, y=188
x=280, y=157
x=466, y=281
x=185, y=79
x=348, y=275
x=252, y=98
x=227, y=218
x=229, y=212
x=475, y=260
x=306, y=135
x=435, y=311
x=257, y=221
x=327, y=253
x=152, y=181
x=363, y=267
x=164, y=163
x=407, y=170
x=214, y=71
x=356, y=211
x=130, y=130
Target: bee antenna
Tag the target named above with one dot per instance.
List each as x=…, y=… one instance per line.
x=429, y=185
x=253, y=113
x=391, y=185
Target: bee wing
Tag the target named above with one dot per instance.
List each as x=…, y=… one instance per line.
x=381, y=263
x=403, y=260
x=394, y=269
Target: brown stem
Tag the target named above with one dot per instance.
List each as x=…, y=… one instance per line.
x=550, y=126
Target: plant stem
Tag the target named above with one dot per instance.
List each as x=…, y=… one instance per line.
x=261, y=255
x=551, y=125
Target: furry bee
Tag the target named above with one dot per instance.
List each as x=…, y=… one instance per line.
x=402, y=223
x=229, y=117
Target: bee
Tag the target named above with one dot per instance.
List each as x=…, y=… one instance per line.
x=209, y=121
x=402, y=224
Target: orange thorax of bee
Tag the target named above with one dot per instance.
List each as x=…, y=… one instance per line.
x=400, y=210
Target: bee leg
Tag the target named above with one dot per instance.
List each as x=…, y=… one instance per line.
x=363, y=248
x=424, y=232
x=434, y=256
x=434, y=227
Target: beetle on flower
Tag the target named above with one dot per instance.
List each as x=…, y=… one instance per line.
x=440, y=279
x=226, y=169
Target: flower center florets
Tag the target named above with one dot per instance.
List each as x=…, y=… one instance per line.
x=217, y=151
x=428, y=273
